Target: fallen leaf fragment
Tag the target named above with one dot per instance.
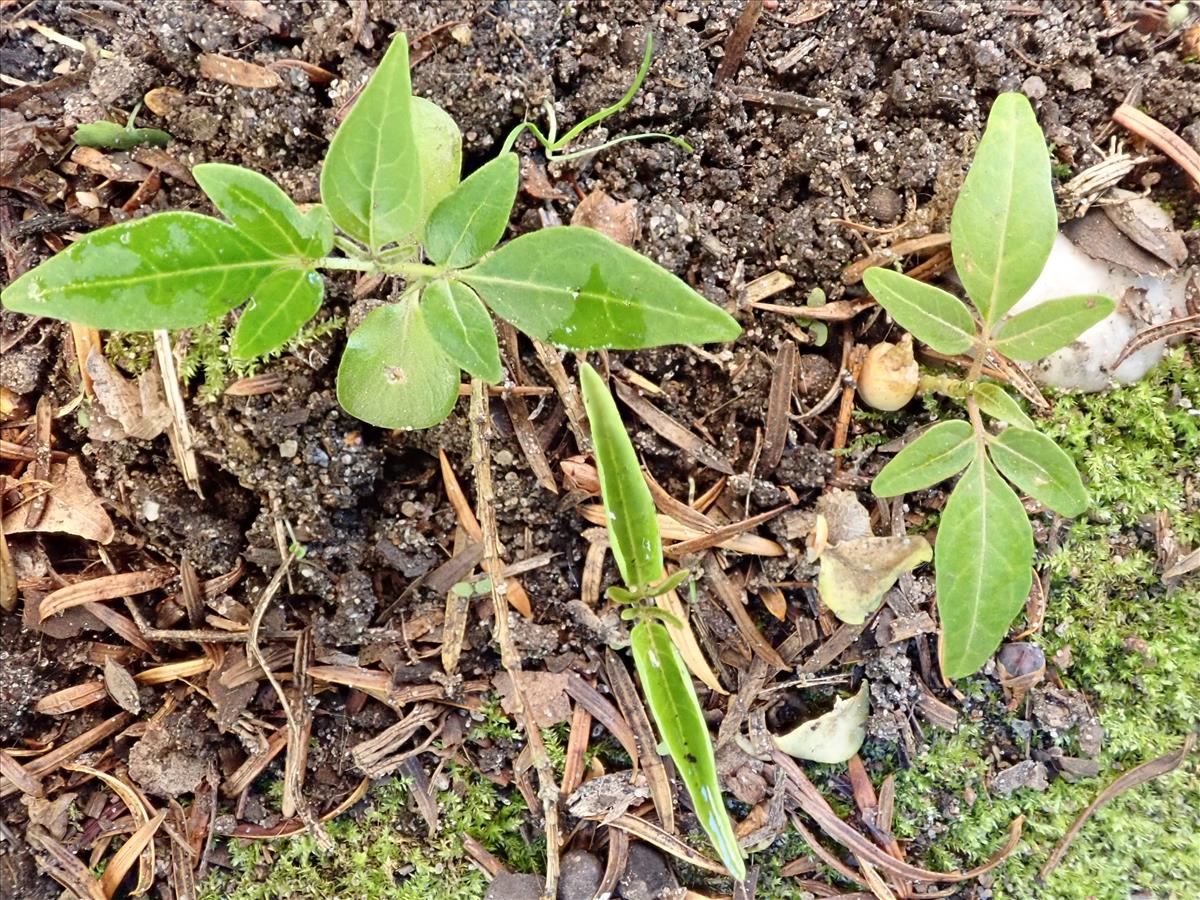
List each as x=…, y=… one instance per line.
x=833, y=737
x=601, y=212
x=71, y=507
x=545, y=694
x=855, y=574
x=127, y=409
x=237, y=72
x=121, y=686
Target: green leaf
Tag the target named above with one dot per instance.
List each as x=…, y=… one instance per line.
x=983, y=562
x=999, y=404
x=632, y=524
x=111, y=136
x=676, y=711
x=257, y=207
x=929, y=313
x=276, y=312
x=1050, y=326
x=371, y=181
x=578, y=289
x=168, y=270
x=1004, y=220
x=439, y=150
x=939, y=453
x=1040, y=468
x=471, y=221
x=393, y=373
x=460, y=323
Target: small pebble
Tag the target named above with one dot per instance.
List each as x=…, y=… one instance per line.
x=150, y=511
x=288, y=448
x=1033, y=87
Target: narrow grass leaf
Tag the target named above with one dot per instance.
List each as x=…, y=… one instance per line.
x=1050, y=326
x=1004, y=220
x=460, y=323
x=983, y=560
x=278, y=309
x=471, y=220
x=933, y=316
x=939, y=453
x=1040, y=468
x=578, y=289
x=996, y=402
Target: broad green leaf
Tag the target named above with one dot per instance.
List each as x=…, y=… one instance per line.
x=257, y=207
x=1050, y=326
x=393, y=373
x=855, y=574
x=1004, y=220
x=834, y=737
x=276, y=312
x=1040, y=468
x=983, y=562
x=938, y=319
x=939, y=453
x=996, y=402
x=371, y=181
x=578, y=289
x=629, y=508
x=460, y=323
x=471, y=220
x=676, y=711
x=168, y=270
x=439, y=149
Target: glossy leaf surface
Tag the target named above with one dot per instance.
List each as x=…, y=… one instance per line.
x=393, y=373
x=932, y=316
x=629, y=507
x=983, y=559
x=1040, y=468
x=471, y=220
x=460, y=323
x=939, y=453
x=578, y=289
x=257, y=207
x=278, y=309
x=169, y=270
x=676, y=711
x=996, y=402
x=1004, y=220
x=1050, y=326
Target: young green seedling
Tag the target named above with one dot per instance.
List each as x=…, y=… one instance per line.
x=111, y=136
x=637, y=548
x=1001, y=231
x=393, y=204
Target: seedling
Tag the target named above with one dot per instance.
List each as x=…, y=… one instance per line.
x=637, y=547
x=391, y=188
x=1001, y=231
x=111, y=136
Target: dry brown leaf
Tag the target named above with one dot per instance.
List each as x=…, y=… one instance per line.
x=545, y=694
x=121, y=686
x=127, y=409
x=237, y=72
x=601, y=212
x=116, y=166
x=106, y=587
x=71, y=507
x=163, y=100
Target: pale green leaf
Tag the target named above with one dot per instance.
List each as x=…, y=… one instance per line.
x=169, y=270
x=460, y=323
x=277, y=311
x=257, y=207
x=939, y=453
x=1050, y=326
x=680, y=720
x=111, y=136
x=439, y=149
x=1004, y=220
x=393, y=373
x=471, y=220
x=983, y=562
x=933, y=316
x=855, y=574
x=629, y=507
x=833, y=737
x=1040, y=468
x=578, y=289
x=999, y=404
x=371, y=181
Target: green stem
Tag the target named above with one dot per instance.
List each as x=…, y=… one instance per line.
x=976, y=418
x=346, y=264
x=406, y=270
x=603, y=114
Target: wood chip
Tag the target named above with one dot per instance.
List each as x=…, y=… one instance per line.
x=157, y=158
x=1161, y=137
x=779, y=404
x=316, y=75
x=238, y=73
x=671, y=431
x=115, y=166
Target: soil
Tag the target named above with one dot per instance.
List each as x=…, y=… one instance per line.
x=872, y=123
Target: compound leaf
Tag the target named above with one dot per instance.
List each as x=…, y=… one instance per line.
x=1050, y=326
x=983, y=561
x=277, y=311
x=460, y=323
x=996, y=402
x=578, y=289
x=257, y=207
x=629, y=507
x=1004, y=220
x=939, y=453
x=933, y=316
x=393, y=373
x=1040, y=468
x=471, y=220
x=168, y=270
